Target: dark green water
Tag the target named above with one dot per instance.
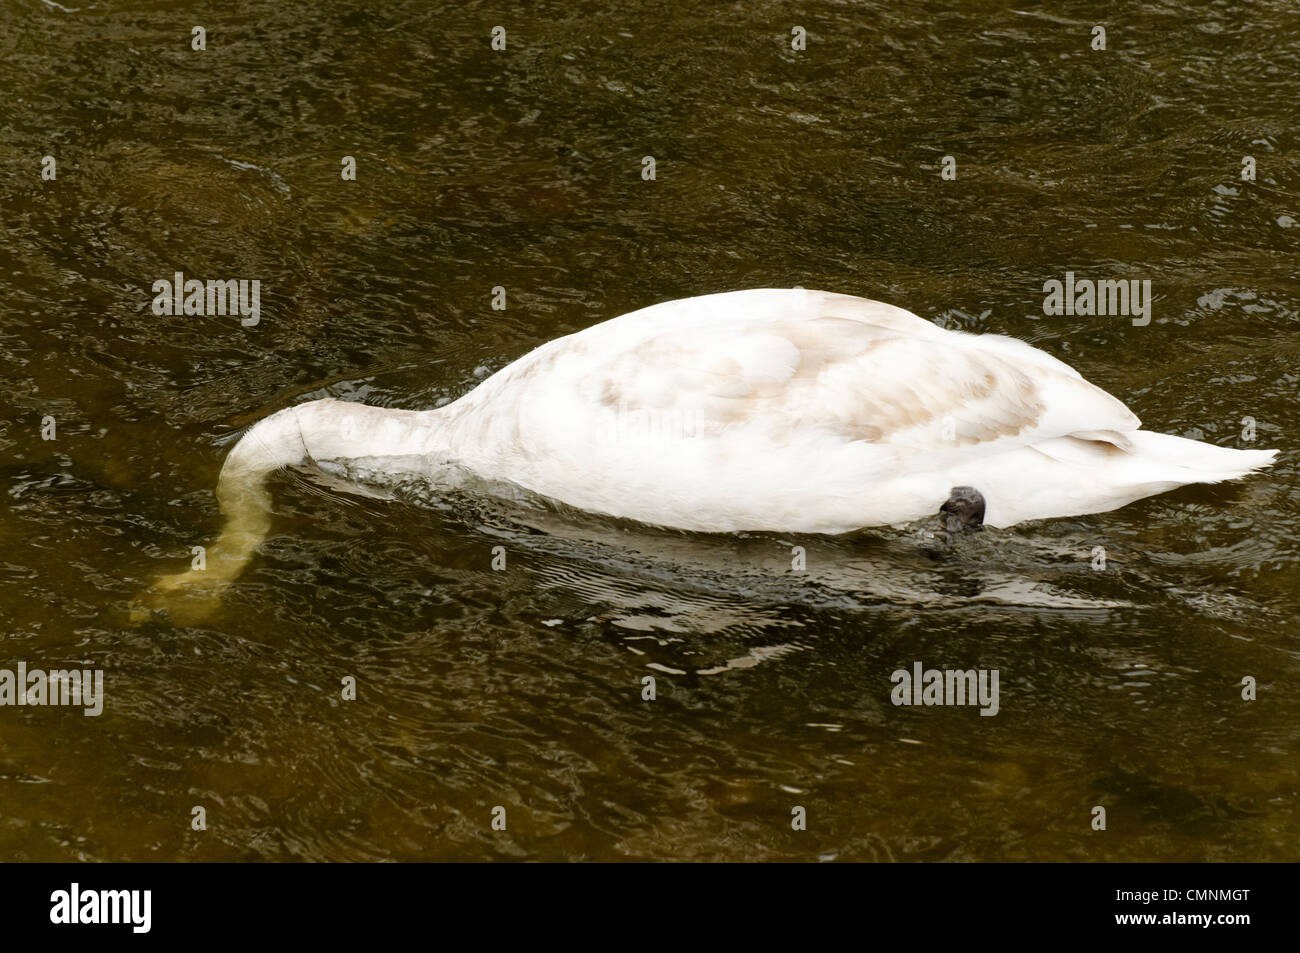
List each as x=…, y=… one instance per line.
x=522, y=688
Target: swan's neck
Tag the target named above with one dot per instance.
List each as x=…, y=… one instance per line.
x=325, y=431
x=355, y=436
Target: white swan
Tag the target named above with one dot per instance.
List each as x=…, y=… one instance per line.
x=772, y=409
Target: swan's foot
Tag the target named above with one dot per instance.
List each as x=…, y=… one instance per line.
x=963, y=510
x=187, y=597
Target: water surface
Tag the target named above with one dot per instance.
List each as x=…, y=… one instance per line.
x=523, y=687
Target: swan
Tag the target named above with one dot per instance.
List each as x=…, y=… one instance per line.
x=785, y=410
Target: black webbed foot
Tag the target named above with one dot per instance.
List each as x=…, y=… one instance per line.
x=963, y=510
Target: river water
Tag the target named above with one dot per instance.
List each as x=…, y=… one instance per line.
x=522, y=688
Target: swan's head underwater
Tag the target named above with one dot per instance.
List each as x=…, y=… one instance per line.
x=812, y=412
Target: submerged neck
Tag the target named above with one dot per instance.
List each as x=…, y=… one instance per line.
x=321, y=431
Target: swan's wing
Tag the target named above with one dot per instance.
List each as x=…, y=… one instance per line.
x=843, y=368
x=774, y=407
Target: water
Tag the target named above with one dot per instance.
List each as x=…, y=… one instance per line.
x=522, y=688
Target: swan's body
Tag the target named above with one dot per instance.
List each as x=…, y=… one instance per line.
x=783, y=410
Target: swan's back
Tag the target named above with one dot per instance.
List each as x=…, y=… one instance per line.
x=802, y=411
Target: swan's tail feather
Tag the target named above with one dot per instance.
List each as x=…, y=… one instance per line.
x=1192, y=461
x=1099, y=471
x=274, y=442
